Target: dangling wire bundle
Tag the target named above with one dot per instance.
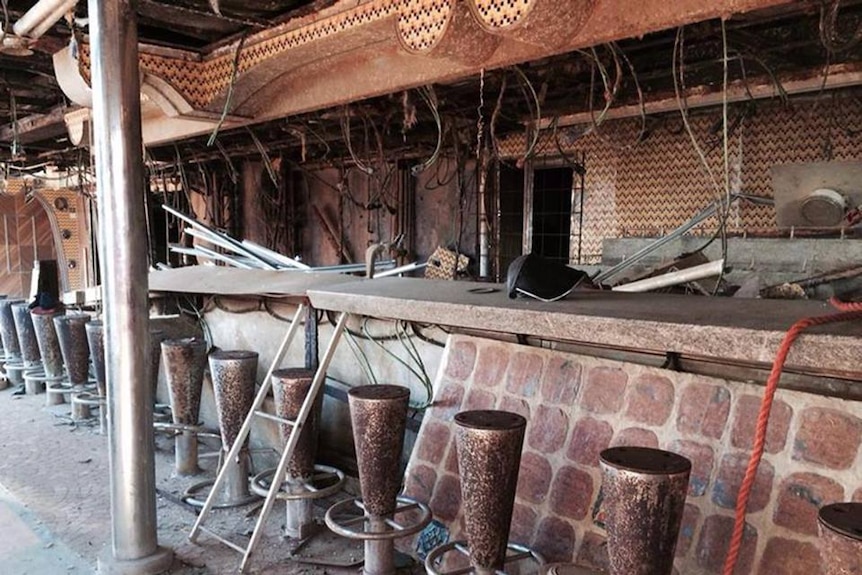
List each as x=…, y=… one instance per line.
x=430, y=98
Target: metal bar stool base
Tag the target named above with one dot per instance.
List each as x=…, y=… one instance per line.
x=15, y=373
x=83, y=401
x=186, y=454
x=518, y=553
x=298, y=495
x=378, y=533
x=34, y=380
x=236, y=489
x=56, y=392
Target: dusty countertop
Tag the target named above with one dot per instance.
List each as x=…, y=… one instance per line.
x=747, y=330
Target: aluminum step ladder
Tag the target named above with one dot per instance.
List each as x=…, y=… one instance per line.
x=296, y=428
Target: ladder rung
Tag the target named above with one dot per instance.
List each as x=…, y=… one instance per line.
x=231, y=544
x=272, y=417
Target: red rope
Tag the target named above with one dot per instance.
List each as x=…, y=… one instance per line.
x=847, y=311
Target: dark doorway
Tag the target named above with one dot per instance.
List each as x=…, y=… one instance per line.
x=552, y=213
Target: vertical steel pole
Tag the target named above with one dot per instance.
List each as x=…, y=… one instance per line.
x=119, y=176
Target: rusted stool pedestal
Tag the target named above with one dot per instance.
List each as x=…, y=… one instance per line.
x=160, y=410
x=34, y=373
x=72, y=335
x=13, y=364
x=233, y=377
x=840, y=526
x=644, y=498
x=378, y=415
x=304, y=481
x=96, y=342
x=185, y=360
x=489, y=454
x=49, y=349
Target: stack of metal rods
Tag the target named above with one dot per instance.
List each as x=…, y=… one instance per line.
x=246, y=254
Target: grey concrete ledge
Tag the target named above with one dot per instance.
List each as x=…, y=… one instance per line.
x=746, y=330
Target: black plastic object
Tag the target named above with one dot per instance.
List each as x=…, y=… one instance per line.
x=538, y=277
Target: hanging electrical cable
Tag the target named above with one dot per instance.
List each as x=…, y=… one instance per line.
x=345, y=131
x=233, y=74
x=430, y=98
x=534, y=98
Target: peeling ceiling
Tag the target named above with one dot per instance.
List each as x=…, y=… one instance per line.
x=763, y=46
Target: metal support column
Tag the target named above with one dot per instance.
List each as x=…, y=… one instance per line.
x=119, y=173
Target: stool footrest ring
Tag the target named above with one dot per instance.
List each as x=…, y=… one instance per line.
x=261, y=483
x=393, y=530
x=519, y=553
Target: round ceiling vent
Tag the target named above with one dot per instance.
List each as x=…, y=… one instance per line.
x=824, y=208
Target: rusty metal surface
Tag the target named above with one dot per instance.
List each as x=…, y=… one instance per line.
x=233, y=377
x=840, y=527
x=72, y=335
x=26, y=333
x=8, y=333
x=378, y=415
x=290, y=386
x=644, y=498
x=489, y=453
x=185, y=360
x=96, y=340
x=46, y=338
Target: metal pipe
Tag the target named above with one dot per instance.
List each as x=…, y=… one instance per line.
x=119, y=173
x=56, y=15
x=44, y=11
x=644, y=498
x=379, y=553
x=699, y=218
x=673, y=278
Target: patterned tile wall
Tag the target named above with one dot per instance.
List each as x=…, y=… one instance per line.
x=651, y=187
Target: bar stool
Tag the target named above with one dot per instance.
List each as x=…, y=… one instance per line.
x=160, y=411
x=233, y=377
x=49, y=349
x=72, y=335
x=489, y=446
x=644, y=499
x=96, y=342
x=304, y=481
x=840, y=528
x=185, y=360
x=13, y=364
x=378, y=415
x=33, y=374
